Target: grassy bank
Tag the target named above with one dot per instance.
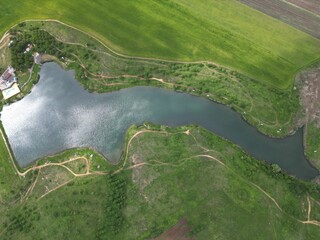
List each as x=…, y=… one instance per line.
x=225, y=32
x=9, y=179
x=312, y=140
x=165, y=175
x=272, y=111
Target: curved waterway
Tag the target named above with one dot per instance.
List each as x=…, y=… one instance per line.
x=59, y=114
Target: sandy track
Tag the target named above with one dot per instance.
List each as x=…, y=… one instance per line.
x=4, y=40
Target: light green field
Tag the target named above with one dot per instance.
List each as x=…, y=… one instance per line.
x=225, y=32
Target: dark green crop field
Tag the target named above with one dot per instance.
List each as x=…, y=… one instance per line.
x=225, y=32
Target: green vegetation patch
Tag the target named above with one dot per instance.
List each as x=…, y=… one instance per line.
x=9, y=179
x=312, y=143
x=168, y=176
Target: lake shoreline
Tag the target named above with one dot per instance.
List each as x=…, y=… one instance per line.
x=193, y=97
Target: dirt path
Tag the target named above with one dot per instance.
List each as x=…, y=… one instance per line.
x=4, y=40
x=56, y=188
x=308, y=221
x=30, y=75
x=88, y=172
x=62, y=164
x=146, y=131
x=313, y=222
x=119, y=76
x=30, y=189
x=93, y=36
x=309, y=208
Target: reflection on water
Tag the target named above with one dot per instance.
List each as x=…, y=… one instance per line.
x=60, y=114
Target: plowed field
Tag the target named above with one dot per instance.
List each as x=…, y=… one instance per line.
x=288, y=13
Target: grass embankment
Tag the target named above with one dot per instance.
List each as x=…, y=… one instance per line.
x=226, y=32
x=9, y=179
x=99, y=70
x=165, y=175
x=312, y=139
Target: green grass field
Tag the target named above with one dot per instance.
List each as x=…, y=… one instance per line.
x=161, y=181
x=225, y=32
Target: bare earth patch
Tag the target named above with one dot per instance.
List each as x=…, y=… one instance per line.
x=49, y=179
x=309, y=84
x=136, y=172
x=140, y=175
x=180, y=231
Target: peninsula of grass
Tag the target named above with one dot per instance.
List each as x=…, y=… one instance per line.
x=166, y=177
x=224, y=32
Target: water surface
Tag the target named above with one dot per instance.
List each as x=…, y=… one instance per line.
x=59, y=114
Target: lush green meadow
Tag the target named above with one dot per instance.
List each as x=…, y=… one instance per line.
x=165, y=175
x=225, y=32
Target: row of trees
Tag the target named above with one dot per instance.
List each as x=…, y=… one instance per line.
x=114, y=219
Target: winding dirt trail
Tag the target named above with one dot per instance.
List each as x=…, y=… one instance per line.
x=4, y=40
x=63, y=165
x=308, y=221
x=119, y=76
x=122, y=168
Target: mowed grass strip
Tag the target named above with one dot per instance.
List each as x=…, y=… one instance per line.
x=225, y=32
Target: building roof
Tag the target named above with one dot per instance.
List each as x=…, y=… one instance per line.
x=7, y=78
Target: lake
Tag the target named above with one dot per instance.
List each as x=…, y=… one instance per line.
x=59, y=114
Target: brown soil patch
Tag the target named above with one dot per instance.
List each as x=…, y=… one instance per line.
x=136, y=172
x=141, y=175
x=48, y=58
x=180, y=231
x=49, y=179
x=289, y=13
x=309, y=85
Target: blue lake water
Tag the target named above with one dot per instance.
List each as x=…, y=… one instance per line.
x=59, y=114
